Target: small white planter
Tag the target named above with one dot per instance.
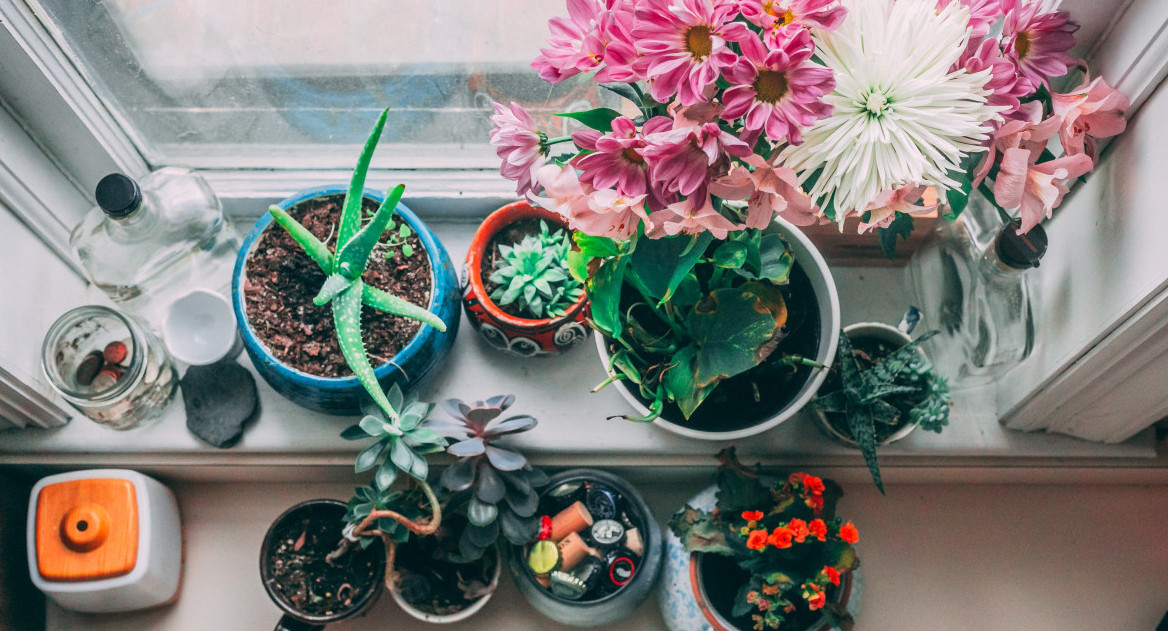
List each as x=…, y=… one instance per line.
x=823, y=285
x=454, y=617
x=891, y=336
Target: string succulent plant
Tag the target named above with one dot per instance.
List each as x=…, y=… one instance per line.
x=883, y=393
x=343, y=288
x=493, y=485
x=533, y=274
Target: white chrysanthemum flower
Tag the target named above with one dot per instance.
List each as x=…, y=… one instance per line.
x=901, y=117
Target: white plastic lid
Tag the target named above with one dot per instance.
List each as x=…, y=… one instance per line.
x=199, y=328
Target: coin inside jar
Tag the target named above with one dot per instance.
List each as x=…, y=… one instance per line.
x=88, y=368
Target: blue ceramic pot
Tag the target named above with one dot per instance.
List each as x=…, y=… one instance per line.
x=410, y=366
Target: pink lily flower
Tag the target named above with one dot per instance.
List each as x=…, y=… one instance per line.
x=681, y=160
x=518, y=143
x=1093, y=110
x=1037, y=43
x=693, y=215
x=1026, y=129
x=769, y=190
x=778, y=90
x=883, y=209
x=1036, y=188
x=610, y=214
x=564, y=194
x=684, y=45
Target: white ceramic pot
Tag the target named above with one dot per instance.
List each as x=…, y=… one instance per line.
x=454, y=617
x=891, y=336
x=823, y=285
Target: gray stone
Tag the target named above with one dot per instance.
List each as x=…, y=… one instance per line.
x=220, y=399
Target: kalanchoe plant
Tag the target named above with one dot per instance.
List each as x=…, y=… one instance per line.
x=786, y=535
x=533, y=274
x=703, y=310
x=495, y=487
x=883, y=392
x=401, y=445
x=343, y=288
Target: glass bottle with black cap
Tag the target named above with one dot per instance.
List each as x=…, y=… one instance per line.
x=149, y=240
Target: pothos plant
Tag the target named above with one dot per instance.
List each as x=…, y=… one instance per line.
x=686, y=312
x=878, y=389
x=343, y=288
x=786, y=535
x=401, y=444
x=495, y=487
x=533, y=275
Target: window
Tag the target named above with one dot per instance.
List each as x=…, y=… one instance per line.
x=225, y=84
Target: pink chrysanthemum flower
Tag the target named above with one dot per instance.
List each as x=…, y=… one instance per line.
x=1092, y=110
x=769, y=191
x=982, y=14
x=518, y=143
x=595, y=32
x=682, y=160
x=693, y=215
x=1036, y=42
x=683, y=45
x=778, y=90
x=774, y=16
x=1003, y=81
x=616, y=159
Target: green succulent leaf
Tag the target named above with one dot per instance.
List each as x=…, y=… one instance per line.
x=347, y=318
x=354, y=254
x=385, y=475
x=863, y=431
x=367, y=458
x=313, y=247
x=333, y=285
x=389, y=303
x=350, y=221
x=481, y=513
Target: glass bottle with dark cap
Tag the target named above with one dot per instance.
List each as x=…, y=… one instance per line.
x=149, y=238
x=971, y=286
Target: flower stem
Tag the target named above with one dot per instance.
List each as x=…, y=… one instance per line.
x=553, y=141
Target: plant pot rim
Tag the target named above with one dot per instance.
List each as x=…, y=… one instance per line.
x=718, y=618
x=496, y=221
x=886, y=333
x=252, y=240
x=367, y=600
x=458, y=616
x=809, y=258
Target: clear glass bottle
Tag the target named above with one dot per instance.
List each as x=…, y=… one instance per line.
x=108, y=366
x=146, y=243
x=969, y=281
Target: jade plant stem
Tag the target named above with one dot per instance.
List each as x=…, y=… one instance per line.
x=365, y=528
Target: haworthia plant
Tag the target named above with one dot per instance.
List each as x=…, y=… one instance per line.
x=343, y=288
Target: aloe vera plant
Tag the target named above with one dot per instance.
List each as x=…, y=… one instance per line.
x=343, y=289
x=883, y=393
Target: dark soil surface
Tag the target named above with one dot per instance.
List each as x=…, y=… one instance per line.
x=868, y=352
x=509, y=235
x=758, y=394
x=722, y=578
x=299, y=573
x=431, y=581
x=282, y=281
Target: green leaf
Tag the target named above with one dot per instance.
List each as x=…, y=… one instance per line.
x=730, y=255
x=623, y=89
x=313, y=247
x=481, y=513
x=595, y=247
x=698, y=532
x=385, y=475
x=389, y=303
x=662, y=264
x=775, y=259
x=350, y=221
x=354, y=253
x=404, y=231
x=354, y=432
x=731, y=326
x=407, y=250
x=958, y=198
x=863, y=430
x=599, y=119
x=367, y=458
x=604, y=289
x=372, y=426
x=738, y=491
x=347, y=319
x=901, y=226
x=680, y=382
x=333, y=285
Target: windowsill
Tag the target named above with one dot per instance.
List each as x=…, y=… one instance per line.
x=573, y=429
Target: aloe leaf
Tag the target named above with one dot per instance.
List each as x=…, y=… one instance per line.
x=313, y=247
x=347, y=317
x=354, y=253
x=350, y=221
x=384, y=301
x=863, y=430
x=333, y=285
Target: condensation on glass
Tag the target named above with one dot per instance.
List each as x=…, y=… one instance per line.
x=298, y=83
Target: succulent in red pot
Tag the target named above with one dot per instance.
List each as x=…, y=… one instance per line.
x=517, y=290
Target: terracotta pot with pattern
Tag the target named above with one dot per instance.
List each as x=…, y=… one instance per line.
x=521, y=336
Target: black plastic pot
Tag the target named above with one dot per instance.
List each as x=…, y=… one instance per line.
x=615, y=606
x=334, y=511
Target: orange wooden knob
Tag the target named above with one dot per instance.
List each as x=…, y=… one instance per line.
x=85, y=527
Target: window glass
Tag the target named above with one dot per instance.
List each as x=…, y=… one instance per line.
x=298, y=83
